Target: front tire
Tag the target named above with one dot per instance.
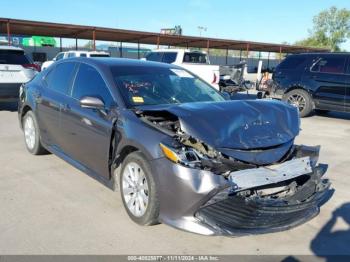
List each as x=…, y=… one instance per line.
x=138, y=190
x=300, y=99
x=32, y=134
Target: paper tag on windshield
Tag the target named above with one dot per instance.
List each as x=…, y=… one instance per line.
x=137, y=99
x=181, y=73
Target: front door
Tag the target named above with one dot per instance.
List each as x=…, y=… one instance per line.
x=88, y=131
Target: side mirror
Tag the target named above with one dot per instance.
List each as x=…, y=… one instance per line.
x=226, y=95
x=54, y=59
x=91, y=102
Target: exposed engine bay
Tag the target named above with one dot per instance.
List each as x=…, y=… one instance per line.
x=194, y=153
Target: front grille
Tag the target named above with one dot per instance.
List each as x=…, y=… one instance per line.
x=239, y=216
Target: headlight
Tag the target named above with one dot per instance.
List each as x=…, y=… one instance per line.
x=184, y=155
x=170, y=154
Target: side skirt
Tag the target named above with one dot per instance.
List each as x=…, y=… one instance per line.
x=58, y=152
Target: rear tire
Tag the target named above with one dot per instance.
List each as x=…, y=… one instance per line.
x=300, y=99
x=138, y=190
x=32, y=134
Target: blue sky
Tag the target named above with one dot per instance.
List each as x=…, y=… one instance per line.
x=266, y=21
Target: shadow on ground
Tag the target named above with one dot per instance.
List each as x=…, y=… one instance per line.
x=329, y=241
x=12, y=107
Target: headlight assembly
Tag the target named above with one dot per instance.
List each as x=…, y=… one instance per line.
x=184, y=155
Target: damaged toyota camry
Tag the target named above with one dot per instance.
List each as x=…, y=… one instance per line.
x=178, y=151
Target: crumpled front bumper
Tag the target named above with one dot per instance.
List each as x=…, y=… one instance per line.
x=202, y=202
x=236, y=215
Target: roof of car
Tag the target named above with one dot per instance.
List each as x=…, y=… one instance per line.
x=85, y=52
x=178, y=50
x=323, y=53
x=109, y=62
x=6, y=47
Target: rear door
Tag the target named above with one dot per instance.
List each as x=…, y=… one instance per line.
x=328, y=78
x=56, y=87
x=87, y=132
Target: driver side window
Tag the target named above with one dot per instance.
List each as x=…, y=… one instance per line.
x=89, y=82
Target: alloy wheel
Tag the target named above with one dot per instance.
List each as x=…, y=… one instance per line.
x=298, y=101
x=29, y=132
x=135, y=189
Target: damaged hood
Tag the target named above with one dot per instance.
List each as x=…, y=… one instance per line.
x=243, y=125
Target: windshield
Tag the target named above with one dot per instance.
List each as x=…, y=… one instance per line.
x=147, y=85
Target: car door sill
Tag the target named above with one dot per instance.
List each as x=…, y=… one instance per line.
x=58, y=152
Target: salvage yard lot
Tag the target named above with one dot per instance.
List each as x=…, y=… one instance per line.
x=49, y=207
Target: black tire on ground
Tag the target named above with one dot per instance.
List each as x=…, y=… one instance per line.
x=305, y=101
x=150, y=217
x=37, y=149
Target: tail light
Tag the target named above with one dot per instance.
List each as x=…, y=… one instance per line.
x=32, y=66
x=214, y=79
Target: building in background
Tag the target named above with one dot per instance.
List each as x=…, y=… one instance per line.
x=177, y=30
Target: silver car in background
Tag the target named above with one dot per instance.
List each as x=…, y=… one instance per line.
x=15, y=69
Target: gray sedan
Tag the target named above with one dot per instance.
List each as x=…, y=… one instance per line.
x=179, y=152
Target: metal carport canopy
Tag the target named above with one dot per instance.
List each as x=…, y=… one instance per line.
x=26, y=27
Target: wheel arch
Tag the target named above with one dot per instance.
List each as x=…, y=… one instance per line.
x=299, y=86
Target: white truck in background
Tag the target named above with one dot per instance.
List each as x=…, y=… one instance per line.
x=70, y=54
x=196, y=62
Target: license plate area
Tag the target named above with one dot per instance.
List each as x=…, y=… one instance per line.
x=256, y=177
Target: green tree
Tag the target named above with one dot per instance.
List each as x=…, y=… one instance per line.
x=330, y=29
x=89, y=44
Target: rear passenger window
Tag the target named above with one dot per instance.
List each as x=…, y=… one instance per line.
x=82, y=55
x=195, y=57
x=71, y=55
x=89, y=82
x=60, y=77
x=169, y=57
x=155, y=56
x=292, y=62
x=334, y=65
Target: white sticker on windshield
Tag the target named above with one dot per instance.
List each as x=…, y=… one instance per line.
x=181, y=73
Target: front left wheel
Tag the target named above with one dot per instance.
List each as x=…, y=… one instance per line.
x=32, y=134
x=138, y=190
